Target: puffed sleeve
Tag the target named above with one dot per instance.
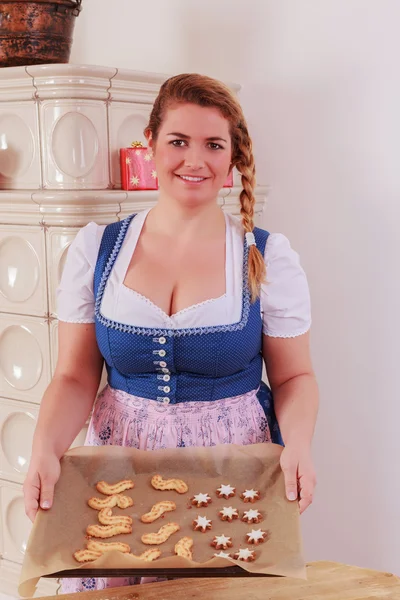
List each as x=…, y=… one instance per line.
x=285, y=297
x=75, y=297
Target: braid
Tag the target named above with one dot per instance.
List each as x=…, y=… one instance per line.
x=245, y=165
x=205, y=91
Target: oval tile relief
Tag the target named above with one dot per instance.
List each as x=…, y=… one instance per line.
x=75, y=144
x=16, y=146
x=18, y=524
x=21, y=360
x=16, y=440
x=19, y=269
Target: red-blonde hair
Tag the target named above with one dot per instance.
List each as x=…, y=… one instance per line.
x=208, y=92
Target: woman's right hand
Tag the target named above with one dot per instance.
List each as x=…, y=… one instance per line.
x=43, y=474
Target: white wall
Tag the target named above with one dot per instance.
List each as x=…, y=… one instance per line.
x=321, y=90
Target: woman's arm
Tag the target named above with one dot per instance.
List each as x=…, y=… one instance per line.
x=295, y=393
x=64, y=410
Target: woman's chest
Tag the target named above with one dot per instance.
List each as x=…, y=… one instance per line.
x=176, y=276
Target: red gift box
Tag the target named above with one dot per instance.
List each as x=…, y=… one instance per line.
x=138, y=170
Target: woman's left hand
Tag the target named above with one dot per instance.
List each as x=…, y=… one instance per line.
x=298, y=468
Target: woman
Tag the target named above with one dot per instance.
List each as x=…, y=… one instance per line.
x=183, y=303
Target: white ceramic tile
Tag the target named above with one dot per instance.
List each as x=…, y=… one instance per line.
x=23, y=270
x=127, y=122
x=17, y=426
x=9, y=579
x=74, y=144
x=53, y=345
x=58, y=240
x=24, y=357
x=19, y=149
x=15, y=525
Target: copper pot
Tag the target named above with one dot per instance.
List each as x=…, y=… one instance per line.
x=38, y=32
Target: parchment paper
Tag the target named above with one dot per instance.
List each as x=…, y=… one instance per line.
x=59, y=532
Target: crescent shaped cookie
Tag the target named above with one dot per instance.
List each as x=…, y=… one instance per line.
x=184, y=548
x=107, y=531
x=106, y=518
x=117, y=488
x=103, y=547
x=157, y=511
x=178, y=485
x=83, y=556
x=148, y=555
x=162, y=534
x=117, y=500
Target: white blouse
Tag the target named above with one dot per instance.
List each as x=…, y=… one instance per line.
x=285, y=298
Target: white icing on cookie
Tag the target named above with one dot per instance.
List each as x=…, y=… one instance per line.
x=222, y=554
x=251, y=494
x=229, y=511
x=252, y=514
x=222, y=540
x=256, y=535
x=226, y=490
x=244, y=554
x=200, y=498
x=202, y=522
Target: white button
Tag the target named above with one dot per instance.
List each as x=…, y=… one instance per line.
x=166, y=377
x=162, y=353
x=165, y=370
x=162, y=340
x=163, y=363
x=166, y=400
x=167, y=389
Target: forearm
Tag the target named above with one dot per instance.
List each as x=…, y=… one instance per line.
x=64, y=410
x=296, y=407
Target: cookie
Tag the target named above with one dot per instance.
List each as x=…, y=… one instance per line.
x=228, y=513
x=107, y=531
x=86, y=555
x=106, y=518
x=252, y=516
x=222, y=555
x=162, y=534
x=157, y=511
x=256, y=536
x=117, y=500
x=117, y=488
x=178, y=485
x=222, y=542
x=202, y=524
x=103, y=547
x=200, y=500
x=250, y=495
x=148, y=555
x=226, y=491
x=245, y=554
x=184, y=548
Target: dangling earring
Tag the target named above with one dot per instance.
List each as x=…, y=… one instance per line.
x=223, y=197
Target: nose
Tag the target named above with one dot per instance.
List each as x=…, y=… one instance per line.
x=194, y=159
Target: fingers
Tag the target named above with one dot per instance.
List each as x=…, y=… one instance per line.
x=31, y=496
x=289, y=468
x=307, y=483
x=47, y=491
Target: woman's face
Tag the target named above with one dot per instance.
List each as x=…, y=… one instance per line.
x=192, y=153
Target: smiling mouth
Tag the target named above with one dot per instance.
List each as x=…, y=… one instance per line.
x=191, y=179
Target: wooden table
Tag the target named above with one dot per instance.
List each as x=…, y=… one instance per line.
x=326, y=581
